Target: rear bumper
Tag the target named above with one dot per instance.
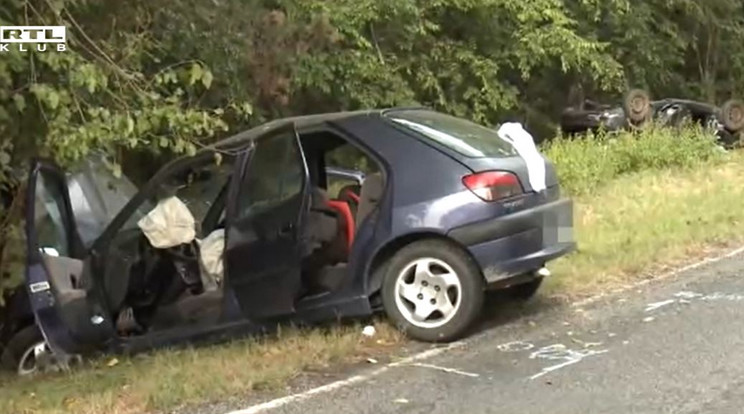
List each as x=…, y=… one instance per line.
x=520, y=242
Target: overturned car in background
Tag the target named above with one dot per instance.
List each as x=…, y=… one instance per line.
x=637, y=110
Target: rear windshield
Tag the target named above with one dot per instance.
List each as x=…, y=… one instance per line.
x=463, y=136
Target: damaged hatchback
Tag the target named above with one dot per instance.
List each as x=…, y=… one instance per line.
x=253, y=231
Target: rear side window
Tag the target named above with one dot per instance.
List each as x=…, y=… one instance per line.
x=460, y=135
x=275, y=174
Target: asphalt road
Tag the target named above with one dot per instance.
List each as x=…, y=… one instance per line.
x=676, y=346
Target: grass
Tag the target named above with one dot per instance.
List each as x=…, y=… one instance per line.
x=171, y=378
x=640, y=206
x=586, y=164
x=642, y=223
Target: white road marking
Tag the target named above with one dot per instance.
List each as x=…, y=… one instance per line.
x=515, y=346
x=555, y=352
x=703, y=262
x=445, y=369
x=686, y=297
x=565, y=364
x=656, y=305
x=279, y=402
x=560, y=352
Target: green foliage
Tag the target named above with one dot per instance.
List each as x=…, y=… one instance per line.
x=106, y=92
x=587, y=162
x=144, y=79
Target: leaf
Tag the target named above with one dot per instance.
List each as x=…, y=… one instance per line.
x=116, y=170
x=20, y=102
x=247, y=108
x=207, y=79
x=195, y=73
x=91, y=84
x=53, y=99
x=191, y=149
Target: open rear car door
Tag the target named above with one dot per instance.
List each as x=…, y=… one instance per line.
x=266, y=213
x=60, y=288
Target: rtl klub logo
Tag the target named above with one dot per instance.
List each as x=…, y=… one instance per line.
x=27, y=38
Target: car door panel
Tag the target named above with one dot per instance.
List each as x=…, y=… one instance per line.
x=264, y=243
x=60, y=289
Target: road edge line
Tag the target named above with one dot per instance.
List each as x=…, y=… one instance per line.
x=279, y=402
x=675, y=272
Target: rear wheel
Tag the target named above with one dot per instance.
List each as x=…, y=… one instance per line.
x=432, y=291
x=637, y=105
x=732, y=115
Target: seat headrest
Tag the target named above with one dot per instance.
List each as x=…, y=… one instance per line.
x=372, y=186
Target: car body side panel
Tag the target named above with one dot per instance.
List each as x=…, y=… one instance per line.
x=423, y=189
x=521, y=241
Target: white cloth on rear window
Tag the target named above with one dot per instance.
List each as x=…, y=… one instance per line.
x=169, y=224
x=515, y=134
x=211, y=249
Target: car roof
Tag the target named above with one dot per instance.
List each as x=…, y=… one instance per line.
x=303, y=121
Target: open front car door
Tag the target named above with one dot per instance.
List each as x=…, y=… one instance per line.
x=62, y=295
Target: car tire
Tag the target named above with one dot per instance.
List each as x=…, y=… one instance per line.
x=524, y=291
x=637, y=106
x=732, y=115
x=18, y=349
x=449, y=284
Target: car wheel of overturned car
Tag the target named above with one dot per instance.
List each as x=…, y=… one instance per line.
x=524, y=291
x=433, y=291
x=637, y=106
x=27, y=352
x=732, y=115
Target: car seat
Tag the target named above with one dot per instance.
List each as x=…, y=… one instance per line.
x=350, y=195
x=340, y=248
x=322, y=226
x=369, y=196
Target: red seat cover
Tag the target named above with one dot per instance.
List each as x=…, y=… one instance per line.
x=353, y=196
x=344, y=210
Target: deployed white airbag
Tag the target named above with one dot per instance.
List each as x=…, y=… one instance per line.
x=211, y=250
x=522, y=141
x=169, y=224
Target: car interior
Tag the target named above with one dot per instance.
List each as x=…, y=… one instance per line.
x=170, y=286
x=348, y=204
x=150, y=289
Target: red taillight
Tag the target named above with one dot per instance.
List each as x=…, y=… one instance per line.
x=493, y=185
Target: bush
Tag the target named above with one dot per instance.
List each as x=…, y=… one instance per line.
x=586, y=162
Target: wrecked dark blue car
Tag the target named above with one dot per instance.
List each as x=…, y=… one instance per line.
x=258, y=230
